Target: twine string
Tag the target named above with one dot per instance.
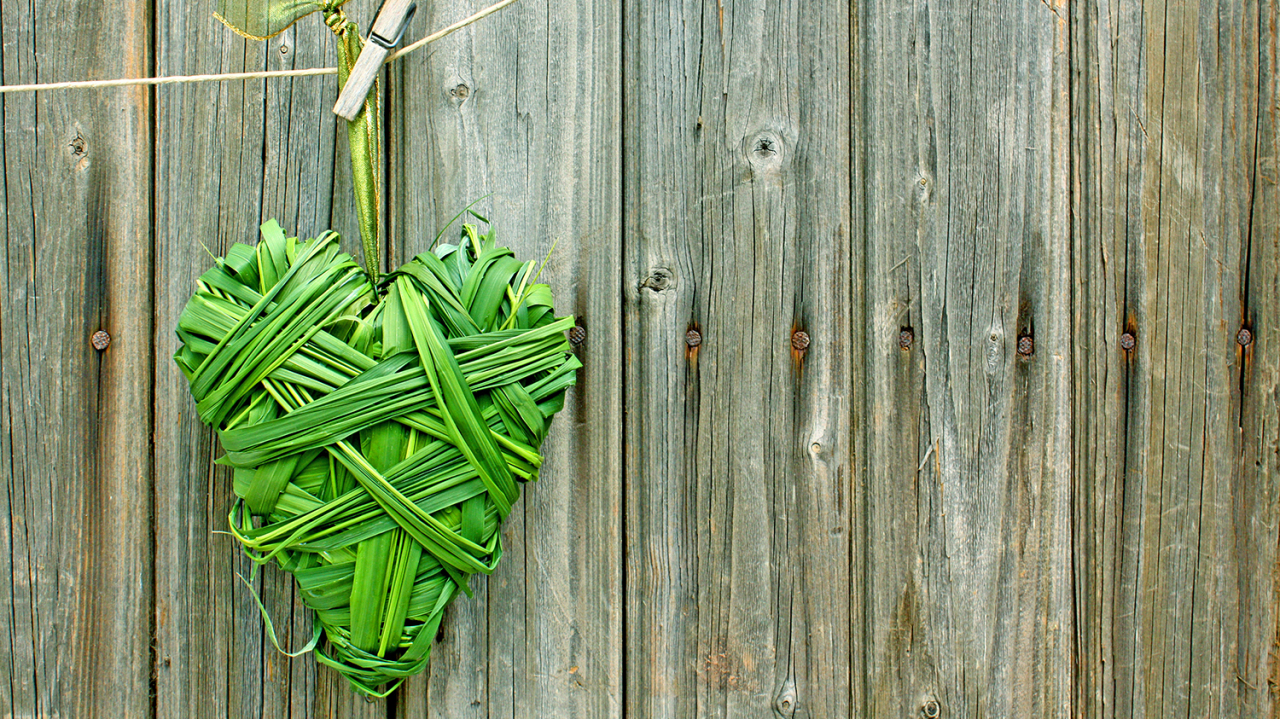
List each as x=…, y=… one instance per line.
x=225, y=76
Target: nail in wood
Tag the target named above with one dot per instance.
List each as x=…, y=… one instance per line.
x=1026, y=346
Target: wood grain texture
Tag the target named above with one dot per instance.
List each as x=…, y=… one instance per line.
x=76, y=460
x=872, y=524
x=1175, y=153
x=524, y=108
x=1101, y=363
x=964, y=553
x=738, y=448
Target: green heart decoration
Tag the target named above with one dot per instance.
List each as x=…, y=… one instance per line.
x=378, y=434
x=378, y=430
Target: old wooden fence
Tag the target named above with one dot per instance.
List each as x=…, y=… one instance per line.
x=1023, y=462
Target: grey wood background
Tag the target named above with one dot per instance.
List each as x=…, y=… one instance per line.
x=968, y=495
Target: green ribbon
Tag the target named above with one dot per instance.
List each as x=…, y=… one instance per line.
x=259, y=20
x=365, y=135
x=264, y=19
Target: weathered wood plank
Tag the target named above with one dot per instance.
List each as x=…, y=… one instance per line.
x=1103, y=130
x=736, y=139
x=76, y=458
x=525, y=106
x=230, y=156
x=965, y=552
x=1175, y=139
x=1087, y=531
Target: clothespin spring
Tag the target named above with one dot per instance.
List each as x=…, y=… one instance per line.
x=377, y=39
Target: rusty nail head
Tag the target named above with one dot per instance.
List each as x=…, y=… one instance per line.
x=100, y=340
x=577, y=335
x=693, y=338
x=1128, y=341
x=932, y=708
x=800, y=340
x=1244, y=337
x=1026, y=345
x=906, y=337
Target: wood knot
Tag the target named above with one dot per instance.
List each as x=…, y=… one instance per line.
x=78, y=150
x=995, y=350
x=931, y=709
x=460, y=92
x=923, y=188
x=786, y=702
x=659, y=280
x=764, y=151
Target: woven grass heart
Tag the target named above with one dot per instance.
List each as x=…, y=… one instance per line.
x=378, y=436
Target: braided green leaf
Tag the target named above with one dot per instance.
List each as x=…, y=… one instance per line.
x=376, y=446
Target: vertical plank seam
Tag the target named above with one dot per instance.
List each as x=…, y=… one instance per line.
x=391, y=706
x=1247, y=250
x=32, y=572
x=258, y=674
x=1126, y=386
x=621, y=285
x=154, y=119
x=857, y=337
x=387, y=148
x=4, y=177
x=1074, y=665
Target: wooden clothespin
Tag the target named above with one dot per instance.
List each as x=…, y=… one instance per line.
x=388, y=27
